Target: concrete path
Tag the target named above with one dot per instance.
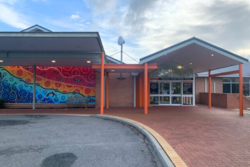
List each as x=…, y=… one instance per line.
x=70, y=141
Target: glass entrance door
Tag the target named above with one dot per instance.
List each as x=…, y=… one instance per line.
x=176, y=93
x=171, y=92
x=164, y=93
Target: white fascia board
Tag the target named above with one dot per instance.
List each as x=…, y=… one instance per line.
x=36, y=27
x=220, y=52
x=49, y=34
x=157, y=55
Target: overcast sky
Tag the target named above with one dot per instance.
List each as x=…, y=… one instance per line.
x=146, y=25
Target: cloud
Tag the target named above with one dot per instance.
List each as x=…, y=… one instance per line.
x=149, y=26
x=100, y=6
x=12, y=16
x=75, y=16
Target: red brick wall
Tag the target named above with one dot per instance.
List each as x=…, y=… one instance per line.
x=224, y=100
x=218, y=99
x=200, y=86
x=121, y=92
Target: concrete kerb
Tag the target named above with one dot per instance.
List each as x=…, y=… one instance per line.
x=156, y=146
x=165, y=160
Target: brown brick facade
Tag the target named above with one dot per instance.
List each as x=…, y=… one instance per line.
x=224, y=100
x=200, y=86
x=121, y=92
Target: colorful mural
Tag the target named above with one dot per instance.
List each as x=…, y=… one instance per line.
x=53, y=84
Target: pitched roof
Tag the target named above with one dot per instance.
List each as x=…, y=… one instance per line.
x=36, y=28
x=188, y=42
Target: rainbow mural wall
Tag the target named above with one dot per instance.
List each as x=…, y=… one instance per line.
x=53, y=84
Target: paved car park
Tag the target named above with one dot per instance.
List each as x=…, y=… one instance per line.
x=71, y=141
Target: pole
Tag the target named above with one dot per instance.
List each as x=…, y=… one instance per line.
x=134, y=91
x=102, y=83
x=240, y=90
x=121, y=58
x=34, y=88
x=146, y=88
x=209, y=90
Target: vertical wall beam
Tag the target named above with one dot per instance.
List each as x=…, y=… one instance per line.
x=193, y=89
x=240, y=90
x=146, y=88
x=107, y=90
x=209, y=90
x=34, y=88
x=102, y=83
x=134, y=91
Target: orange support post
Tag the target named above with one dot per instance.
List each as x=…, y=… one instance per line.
x=240, y=90
x=146, y=88
x=107, y=90
x=102, y=83
x=209, y=90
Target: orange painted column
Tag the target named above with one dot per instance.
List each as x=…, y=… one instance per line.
x=107, y=90
x=240, y=90
x=102, y=83
x=209, y=90
x=146, y=88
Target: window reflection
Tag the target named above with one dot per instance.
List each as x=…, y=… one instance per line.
x=172, y=69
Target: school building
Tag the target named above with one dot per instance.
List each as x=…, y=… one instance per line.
x=45, y=69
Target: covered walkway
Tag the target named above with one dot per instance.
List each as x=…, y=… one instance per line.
x=201, y=136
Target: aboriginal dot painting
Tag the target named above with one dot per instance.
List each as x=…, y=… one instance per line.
x=53, y=84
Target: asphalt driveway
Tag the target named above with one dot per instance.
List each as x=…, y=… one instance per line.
x=71, y=141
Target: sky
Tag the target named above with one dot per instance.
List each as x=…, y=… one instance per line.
x=146, y=25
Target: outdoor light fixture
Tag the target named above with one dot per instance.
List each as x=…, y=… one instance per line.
x=179, y=67
x=190, y=63
x=170, y=70
x=53, y=61
x=1, y=61
x=112, y=70
x=212, y=55
x=88, y=61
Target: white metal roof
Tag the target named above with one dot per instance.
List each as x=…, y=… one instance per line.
x=197, y=54
x=40, y=48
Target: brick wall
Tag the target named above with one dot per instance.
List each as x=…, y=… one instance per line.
x=200, y=86
x=121, y=92
x=224, y=100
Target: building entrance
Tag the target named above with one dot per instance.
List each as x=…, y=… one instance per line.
x=171, y=92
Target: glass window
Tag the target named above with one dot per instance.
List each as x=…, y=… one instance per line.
x=164, y=100
x=235, y=88
x=226, y=79
x=176, y=88
x=187, y=72
x=246, y=89
x=246, y=79
x=235, y=79
x=164, y=87
x=154, y=88
x=226, y=88
x=154, y=100
x=172, y=69
x=187, y=88
x=176, y=100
